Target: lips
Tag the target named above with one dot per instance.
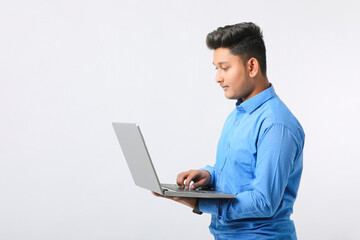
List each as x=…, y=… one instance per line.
x=224, y=87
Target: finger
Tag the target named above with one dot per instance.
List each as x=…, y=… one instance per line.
x=181, y=177
x=202, y=180
x=200, y=183
x=192, y=177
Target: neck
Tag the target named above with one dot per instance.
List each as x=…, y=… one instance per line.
x=262, y=83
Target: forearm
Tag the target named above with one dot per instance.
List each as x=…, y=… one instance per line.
x=190, y=202
x=248, y=204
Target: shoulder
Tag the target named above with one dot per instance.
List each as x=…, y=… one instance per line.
x=275, y=113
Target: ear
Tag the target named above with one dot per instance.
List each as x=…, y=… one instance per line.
x=252, y=67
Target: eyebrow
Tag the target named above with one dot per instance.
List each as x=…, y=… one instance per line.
x=220, y=63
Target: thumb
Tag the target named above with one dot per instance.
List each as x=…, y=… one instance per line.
x=200, y=183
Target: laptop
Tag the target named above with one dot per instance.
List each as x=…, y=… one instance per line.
x=142, y=169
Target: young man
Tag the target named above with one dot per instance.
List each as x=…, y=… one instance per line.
x=260, y=151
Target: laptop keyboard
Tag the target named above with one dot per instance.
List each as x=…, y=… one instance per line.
x=176, y=188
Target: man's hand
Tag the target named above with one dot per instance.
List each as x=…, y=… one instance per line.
x=190, y=202
x=201, y=178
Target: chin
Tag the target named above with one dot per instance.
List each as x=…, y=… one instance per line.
x=230, y=96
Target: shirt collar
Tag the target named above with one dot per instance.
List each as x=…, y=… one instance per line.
x=256, y=101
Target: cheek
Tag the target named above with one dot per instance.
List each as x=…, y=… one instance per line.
x=236, y=78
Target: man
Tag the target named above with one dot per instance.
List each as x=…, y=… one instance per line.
x=260, y=151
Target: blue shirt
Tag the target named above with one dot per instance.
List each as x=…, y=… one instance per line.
x=259, y=159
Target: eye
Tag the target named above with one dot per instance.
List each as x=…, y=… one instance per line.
x=225, y=68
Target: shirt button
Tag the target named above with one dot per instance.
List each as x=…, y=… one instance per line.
x=226, y=149
x=237, y=122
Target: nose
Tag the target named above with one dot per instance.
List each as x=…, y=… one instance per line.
x=218, y=77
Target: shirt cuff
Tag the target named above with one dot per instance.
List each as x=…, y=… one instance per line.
x=208, y=205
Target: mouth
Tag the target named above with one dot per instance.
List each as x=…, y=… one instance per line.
x=224, y=87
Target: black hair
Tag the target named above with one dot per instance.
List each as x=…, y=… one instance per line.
x=243, y=39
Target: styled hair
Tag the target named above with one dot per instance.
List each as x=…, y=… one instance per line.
x=243, y=39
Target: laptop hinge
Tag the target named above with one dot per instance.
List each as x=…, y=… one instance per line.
x=164, y=191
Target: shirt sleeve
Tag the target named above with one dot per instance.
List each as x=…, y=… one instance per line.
x=277, y=150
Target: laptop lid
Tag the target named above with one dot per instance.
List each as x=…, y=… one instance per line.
x=137, y=156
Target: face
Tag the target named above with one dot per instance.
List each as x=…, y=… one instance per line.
x=232, y=75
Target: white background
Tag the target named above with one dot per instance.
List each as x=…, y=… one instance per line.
x=70, y=68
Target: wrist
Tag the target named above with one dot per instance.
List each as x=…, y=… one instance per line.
x=196, y=209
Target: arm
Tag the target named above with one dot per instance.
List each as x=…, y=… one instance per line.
x=276, y=152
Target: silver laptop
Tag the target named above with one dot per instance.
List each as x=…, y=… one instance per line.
x=142, y=170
